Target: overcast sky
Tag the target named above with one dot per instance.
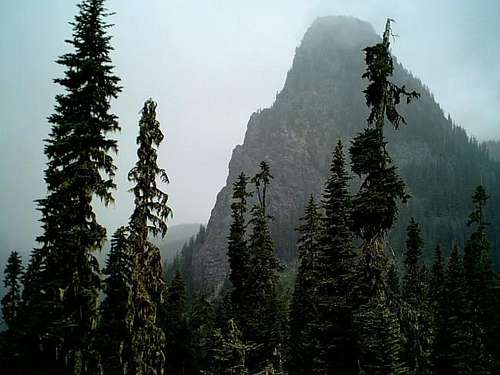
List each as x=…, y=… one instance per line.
x=210, y=64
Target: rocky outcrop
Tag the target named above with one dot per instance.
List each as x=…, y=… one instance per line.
x=322, y=101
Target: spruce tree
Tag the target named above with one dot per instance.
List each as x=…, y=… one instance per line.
x=374, y=210
x=203, y=334
x=11, y=301
x=375, y=205
x=416, y=319
x=336, y=342
x=176, y=330
x=80, y=168
x=302, y=314
x=262, y=323
x=148, y=219
x=237, y=252
x=480, y=279
x=463, y=353
x=10, y=340
x=115, y=328
x=439, y=304
x=231, y=351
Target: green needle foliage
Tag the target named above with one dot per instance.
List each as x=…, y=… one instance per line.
x=11, y=301
x=177, y=335
x=333, y=327
x=416, y=319
x=115, y=329
x=149, y=218
x=79, y=169
x=238, y=253
x=302, y=313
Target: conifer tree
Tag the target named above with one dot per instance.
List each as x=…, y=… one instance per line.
x=375, y=205
x=149, y=218
x=231, y=352
x=393, y=286
x=238, y=255
x=11, y=301
x=416, y=322
x=336, y=349
x=174, y=324
x=480, y=279
x=80, y=168
x=10, y=340
x=439, y=306
x=203, y=333
x=374, y=210
x=463, y=353
x=115, y=329
x=302, y=314
x=262, y=323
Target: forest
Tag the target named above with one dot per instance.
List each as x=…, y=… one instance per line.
x=351, y=306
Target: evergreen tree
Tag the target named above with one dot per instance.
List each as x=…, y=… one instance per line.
x=176, y=330
x=375, y=205
x=79, y=168
x=463, y=354
x=203, y=331
x=479, y=278
x=374, y=210
x=379, y=337
x=262, y=324
x=439, y=308
x=231, y=352
x=10, y=340
x=115, y=330
x=337, y=349
x=238, y=255
x=149, y=218
x=393, y=286
x=416, y=320
x=11, y=301
x=302, y=314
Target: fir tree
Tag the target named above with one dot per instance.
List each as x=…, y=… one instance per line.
x=416, y=320
x=302, y=314
x=439, y=310
x=79, y=169
x=375, y=205
x=379, y=337
x=479, y=279
x=149, y=218
x=393, y=286
x=336, y=351
x=231, y=352
x=463, y=353
x=237, y=253
x=262, y=324
x=11, y=301
x=374, y=210
x=174, y=325
x=203, y=333
x=10, y=340
x=115, y=330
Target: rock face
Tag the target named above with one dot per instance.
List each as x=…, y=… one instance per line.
x=322, y=101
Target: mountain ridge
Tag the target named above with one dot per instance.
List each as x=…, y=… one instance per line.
x=322, y=101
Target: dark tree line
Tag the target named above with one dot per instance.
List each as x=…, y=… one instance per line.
x=355, y=307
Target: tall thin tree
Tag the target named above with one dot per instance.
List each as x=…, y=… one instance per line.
x=148, y=219
x=302, y=308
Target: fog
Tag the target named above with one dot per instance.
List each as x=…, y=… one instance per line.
x=210, y=64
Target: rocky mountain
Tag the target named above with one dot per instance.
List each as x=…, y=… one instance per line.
x=322, y=101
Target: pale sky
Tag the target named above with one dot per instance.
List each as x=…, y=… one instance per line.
x=210, y=64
